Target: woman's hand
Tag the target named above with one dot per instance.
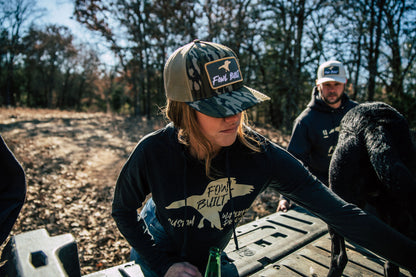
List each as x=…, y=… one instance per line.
x=184, y=269
x=283, y=206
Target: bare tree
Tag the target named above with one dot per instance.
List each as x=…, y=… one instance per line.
x=399, y=38
x=46, y=52
x=14, y=14
x=289, y=43
x=141, y=34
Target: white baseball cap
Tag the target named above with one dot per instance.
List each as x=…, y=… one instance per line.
x=331, y=71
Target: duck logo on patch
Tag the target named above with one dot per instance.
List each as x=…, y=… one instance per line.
x=225, y=66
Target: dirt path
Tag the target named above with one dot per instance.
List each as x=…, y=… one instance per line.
x=72, y=161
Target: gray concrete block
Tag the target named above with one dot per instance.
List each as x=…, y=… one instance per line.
x=36, y=254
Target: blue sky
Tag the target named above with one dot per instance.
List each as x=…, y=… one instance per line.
x=59, y=12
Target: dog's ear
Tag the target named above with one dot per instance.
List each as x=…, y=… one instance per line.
x=388, y=160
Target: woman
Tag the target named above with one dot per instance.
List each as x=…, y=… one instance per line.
x=205, y=168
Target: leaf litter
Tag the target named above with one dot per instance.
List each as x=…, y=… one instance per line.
x=71, y=161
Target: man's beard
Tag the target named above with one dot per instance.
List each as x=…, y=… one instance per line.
x=338, y=99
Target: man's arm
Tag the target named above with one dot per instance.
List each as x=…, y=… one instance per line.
x=299, y=144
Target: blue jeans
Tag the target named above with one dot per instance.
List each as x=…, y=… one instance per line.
x=158, y=233
x=162, y=240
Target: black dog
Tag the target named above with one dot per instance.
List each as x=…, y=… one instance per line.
x=374, y=166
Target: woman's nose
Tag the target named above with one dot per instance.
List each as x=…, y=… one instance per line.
x=232, y=118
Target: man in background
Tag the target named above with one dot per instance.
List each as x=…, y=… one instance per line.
x=315, y=131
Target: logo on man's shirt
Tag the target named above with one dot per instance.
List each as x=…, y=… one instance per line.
x=326, y=134
x=211, y=202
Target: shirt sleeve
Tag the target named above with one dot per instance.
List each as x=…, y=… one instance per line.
x=299, y=144
x=130, y=192
x=12, y=190
x=295, y=182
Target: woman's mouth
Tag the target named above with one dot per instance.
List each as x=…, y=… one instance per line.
x=230, y=130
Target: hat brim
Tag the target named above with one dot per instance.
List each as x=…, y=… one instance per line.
x=230, y=103
x=331, y=79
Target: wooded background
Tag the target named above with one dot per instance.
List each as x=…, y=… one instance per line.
x=280, y=45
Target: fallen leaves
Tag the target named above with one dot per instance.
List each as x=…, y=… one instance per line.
x=71, y=161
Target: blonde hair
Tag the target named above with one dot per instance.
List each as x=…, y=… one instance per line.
x=185, y=120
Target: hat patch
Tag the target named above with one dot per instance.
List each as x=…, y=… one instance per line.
x=332, y=70
x=223, y=72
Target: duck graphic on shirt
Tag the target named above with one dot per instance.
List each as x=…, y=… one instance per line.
x=211, y=202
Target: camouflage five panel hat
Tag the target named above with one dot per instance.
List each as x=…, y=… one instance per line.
x=207, y=77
